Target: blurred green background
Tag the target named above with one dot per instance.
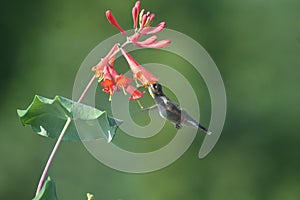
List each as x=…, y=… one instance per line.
x=255, y=44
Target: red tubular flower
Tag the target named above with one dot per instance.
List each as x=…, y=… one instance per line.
x=151, y=42
x=100, y=67
x=139, y=72
x=151, y=17
x=112, y=81
x=141, y=16
x=135, y=13
x=112, y=20
x=108, y=84
x=143, y=20
x=121, y=81
x=156, y=45
x=135, y=37
x=135, y=93
x=157, y=29
x=148, y=41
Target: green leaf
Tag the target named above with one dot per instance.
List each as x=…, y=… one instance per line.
x=47, y=117
x=48, y=191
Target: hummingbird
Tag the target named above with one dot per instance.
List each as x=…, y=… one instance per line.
x=171, y=111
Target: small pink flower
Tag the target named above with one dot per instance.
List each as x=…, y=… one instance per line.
x=112, y=81
x=148, y=30
x=120, y=80
x=157, y=45
x=151, y=42
x=145, y=19
x=108, y=84
x=135, y=13
x=112, y=20
x=100, y=67
x=148, y=41
x=135, y=93
x=141, y=16
x=139, y=72
x=135, y=37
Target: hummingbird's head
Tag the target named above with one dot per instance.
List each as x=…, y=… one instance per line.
x=155, y=90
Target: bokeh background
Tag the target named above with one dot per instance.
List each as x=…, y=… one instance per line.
x=255, y=44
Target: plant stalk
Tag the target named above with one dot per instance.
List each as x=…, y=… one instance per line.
x=86, y=89
x=41, y=182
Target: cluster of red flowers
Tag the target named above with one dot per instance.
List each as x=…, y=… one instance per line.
x=105, y=71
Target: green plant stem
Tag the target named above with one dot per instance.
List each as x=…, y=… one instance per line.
x=42, y=179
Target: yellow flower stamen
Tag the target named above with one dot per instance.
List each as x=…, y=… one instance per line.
x=141, y=106
x=137, y=84
x=124, y=91
x=100, y=78
x=110, y=97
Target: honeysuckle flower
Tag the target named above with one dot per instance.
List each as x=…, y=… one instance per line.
x=151, y=43
x=145, y=19
x=135, y=37
x=135, y=13
x=147, y=41
x=112, y=20
x=99, y=68
x=108, y=83
x=141, y=14
x=158, y=45
x=149, y=30
x=139, y=72
x=121, y=81
x=135, y=93
x=105, y=71
x=115, y=82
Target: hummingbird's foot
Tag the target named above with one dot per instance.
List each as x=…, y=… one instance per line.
x=178, y=126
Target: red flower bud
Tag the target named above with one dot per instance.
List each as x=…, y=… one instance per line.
x=112, y=20
x=135, y=13
x=158, y=45
x=154, y=30
x=146, y=42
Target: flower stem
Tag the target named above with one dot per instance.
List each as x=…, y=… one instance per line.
x=86, y=89
x=40, y=185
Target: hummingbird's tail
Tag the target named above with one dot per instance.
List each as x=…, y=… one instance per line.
x=203, y=129
x=190, y=121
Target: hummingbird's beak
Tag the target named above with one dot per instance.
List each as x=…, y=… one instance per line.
x=150, y=91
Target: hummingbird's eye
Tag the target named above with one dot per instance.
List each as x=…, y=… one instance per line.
x=154, y=86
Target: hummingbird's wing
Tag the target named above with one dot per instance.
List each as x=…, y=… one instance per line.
x=168, y=109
